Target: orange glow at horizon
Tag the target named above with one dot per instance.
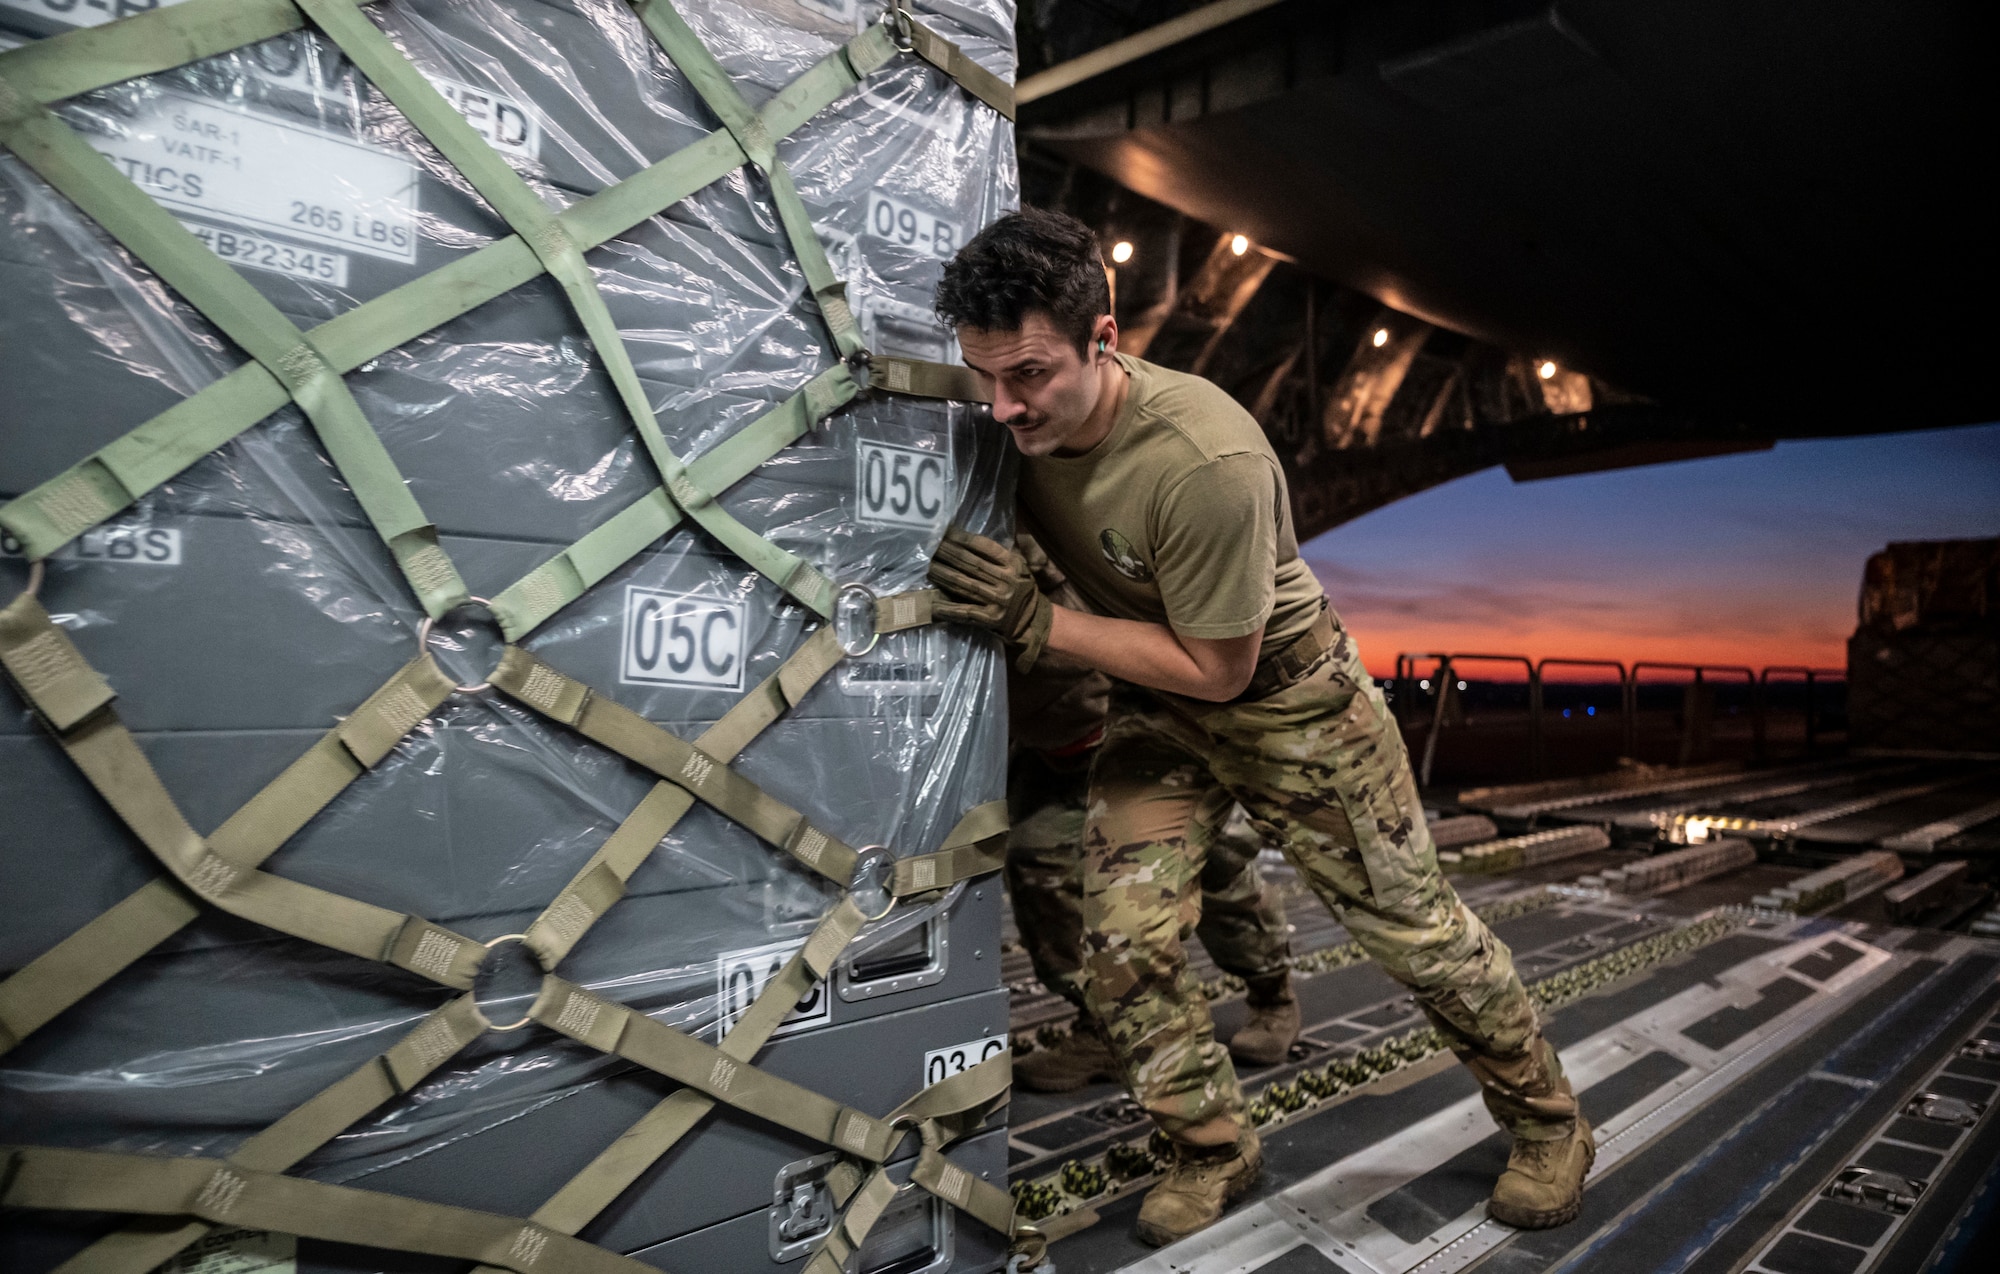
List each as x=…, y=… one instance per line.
x=1750, y=560
x=1382, y=638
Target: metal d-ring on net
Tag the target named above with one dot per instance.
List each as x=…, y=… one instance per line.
x=424, y=639
x=897, y=19
x=490, y=944
x=871, y=863
x=874, y=633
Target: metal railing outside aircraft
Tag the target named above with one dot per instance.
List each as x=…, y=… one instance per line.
x=1407, y=685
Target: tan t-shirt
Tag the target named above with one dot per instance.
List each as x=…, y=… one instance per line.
x=1178, y=517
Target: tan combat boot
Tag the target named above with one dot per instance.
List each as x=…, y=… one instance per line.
x=1543, y=1184
x=1195, y=1190
x=1266, y=1038
x=1081, y=1057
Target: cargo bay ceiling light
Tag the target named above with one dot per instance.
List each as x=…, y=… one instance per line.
x=1121, y=251
x=1381, y=337
x=1239, y=245
x=1548, y=371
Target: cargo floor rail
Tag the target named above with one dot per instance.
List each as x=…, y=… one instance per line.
x=225, y=869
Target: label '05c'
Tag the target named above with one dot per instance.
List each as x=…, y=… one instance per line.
x=901, y=486
x=677, y=639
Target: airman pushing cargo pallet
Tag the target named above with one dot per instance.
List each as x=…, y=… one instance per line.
x=1163, y=503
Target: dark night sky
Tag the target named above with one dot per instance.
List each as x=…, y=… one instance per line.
x=1747, y=559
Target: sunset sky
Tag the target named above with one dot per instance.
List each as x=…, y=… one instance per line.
x=1746, y=559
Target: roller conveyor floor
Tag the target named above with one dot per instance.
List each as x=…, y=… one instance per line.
x=1774, y=1093
x=1940, y=805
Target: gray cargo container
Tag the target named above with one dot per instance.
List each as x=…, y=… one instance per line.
x=245, y=606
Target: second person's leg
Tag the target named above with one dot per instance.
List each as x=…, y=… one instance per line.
x=1141, y=891
x=1045, y=800
x=1243, y=927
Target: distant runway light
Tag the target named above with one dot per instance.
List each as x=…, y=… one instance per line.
x=1461, y=685
x=1423, y=685
x=1548, y=371
x=1239, y=245
x=1121, y=251
x=1590, y=712
x=1381, y=337
x=1565, y=714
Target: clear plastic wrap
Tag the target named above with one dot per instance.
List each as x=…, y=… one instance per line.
x=244, y=606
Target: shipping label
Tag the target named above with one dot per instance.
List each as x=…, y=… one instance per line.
x=941, y=1064
x=132, y=543
x=905, y=225
x=257, y=252
x=267, y=175
x=741, y=976
x=676, y=639
x=902, y=486
x=85, y=13
x=508, y=126
x=232, y=1251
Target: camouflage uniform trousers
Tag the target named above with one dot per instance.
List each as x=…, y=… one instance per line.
x=1324, y=775
x=1238, y=919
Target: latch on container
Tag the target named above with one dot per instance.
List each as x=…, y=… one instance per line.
x=802, y=1206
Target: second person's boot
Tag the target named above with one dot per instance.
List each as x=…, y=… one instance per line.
x=1273, y=1025
x=1079, y=1058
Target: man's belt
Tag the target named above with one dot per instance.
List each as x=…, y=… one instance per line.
x=1289, y=664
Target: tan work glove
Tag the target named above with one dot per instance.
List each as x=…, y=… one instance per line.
x=989, y=585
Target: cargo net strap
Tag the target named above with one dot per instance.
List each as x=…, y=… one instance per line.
x=308, y=368
x=224, y=869
x=76, y=705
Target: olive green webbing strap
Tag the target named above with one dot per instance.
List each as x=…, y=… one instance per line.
x=974, y=846
x=35, y=993
x=89, y=58
x=920, y=379
x=107, y=945
x=622, y=1163
x=532, y=599
x=977, y=845
x=53, y=513
x=702, y=774
x=952, y=60
x=685, y=49
x=610, y=724
x=222, y=296
x=221, y=1193
x=87, y=958
x=551, y=936
x=525, y=213
x=612, y=1028
x=941, y=1114
x=694, y=60
x=75, y=703
x=435, y=1039
x=600, y=883
x=614, y=1171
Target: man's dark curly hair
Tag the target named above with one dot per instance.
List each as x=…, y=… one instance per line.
x=1027, y=260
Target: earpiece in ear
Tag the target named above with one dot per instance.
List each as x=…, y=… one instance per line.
x=1102, y=345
